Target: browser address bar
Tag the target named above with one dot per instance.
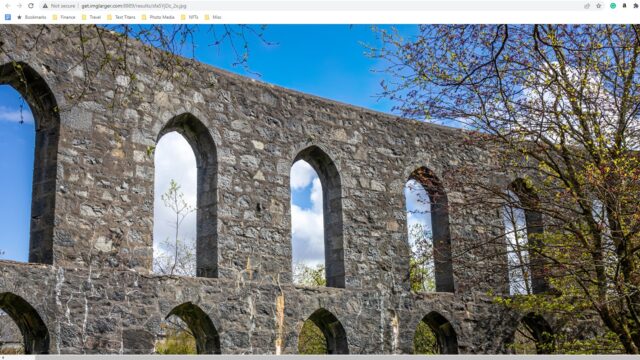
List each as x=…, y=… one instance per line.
x=133, y=6
x=321, y=5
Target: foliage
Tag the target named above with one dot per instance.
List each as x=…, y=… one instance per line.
x=561, y=103
x=177, y=255
x=178, y=339
x=424, y=340
x=566, y=311
x=10, y=350
x=306, y=275
x=421, y=264
x=607, y=343
x=311, y=339
x=524, y=342
x=562, y=343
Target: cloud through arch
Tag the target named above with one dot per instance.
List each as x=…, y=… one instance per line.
x=174, y=160
x=307, y=222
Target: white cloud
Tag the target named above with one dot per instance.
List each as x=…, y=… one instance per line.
x=174, y=159
x=307, y=229
x=301, y=175
x=316, y=195
x=14, y=114
x=307, y=225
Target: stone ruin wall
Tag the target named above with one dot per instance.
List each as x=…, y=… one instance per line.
x=89, y=288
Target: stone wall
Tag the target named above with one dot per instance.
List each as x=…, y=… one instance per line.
x=97, y=123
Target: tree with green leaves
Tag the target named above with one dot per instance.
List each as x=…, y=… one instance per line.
x=561, y=103
x=424, y=340
x=306, y=275
x=177, y=338
x=421, y=264
x=311, y=340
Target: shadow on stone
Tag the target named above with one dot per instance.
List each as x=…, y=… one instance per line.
x=201, y=326
x=533, y=336
x=446, y=338
x=333, y=331
x=33, y=329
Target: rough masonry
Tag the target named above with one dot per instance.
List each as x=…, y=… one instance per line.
x=101, y=103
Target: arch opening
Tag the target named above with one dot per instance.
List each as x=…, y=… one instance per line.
x=17, y=148
x=188, y=128
x=425, y=340
x=428, y=232
x=311, y=340
x=321, y=326
x=330, y=183
x=34, y=332
x=533, y=336
x=442, y=338
x=307, y=226
x=523, y=229
x=174, y=218
x=187, y=324
x=46, y=121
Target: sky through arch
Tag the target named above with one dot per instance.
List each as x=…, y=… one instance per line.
x=17, y=149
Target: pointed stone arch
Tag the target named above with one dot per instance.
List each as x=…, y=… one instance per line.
x=204, y=149
x=201, y=326
x=539, y=331
x=34, y=331
x=528, y=201
x=332, y=212
x=446, y=337
x=35, y=90
x=333, y=331
x=441, y=232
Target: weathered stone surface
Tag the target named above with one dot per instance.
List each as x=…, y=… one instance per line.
x=95, y=292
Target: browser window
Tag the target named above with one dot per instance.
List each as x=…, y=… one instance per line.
x=318, y=12
x=277, y=177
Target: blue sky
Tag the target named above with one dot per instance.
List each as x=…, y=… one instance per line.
x=324, y=60
x=327, y=61
x=16, y=170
